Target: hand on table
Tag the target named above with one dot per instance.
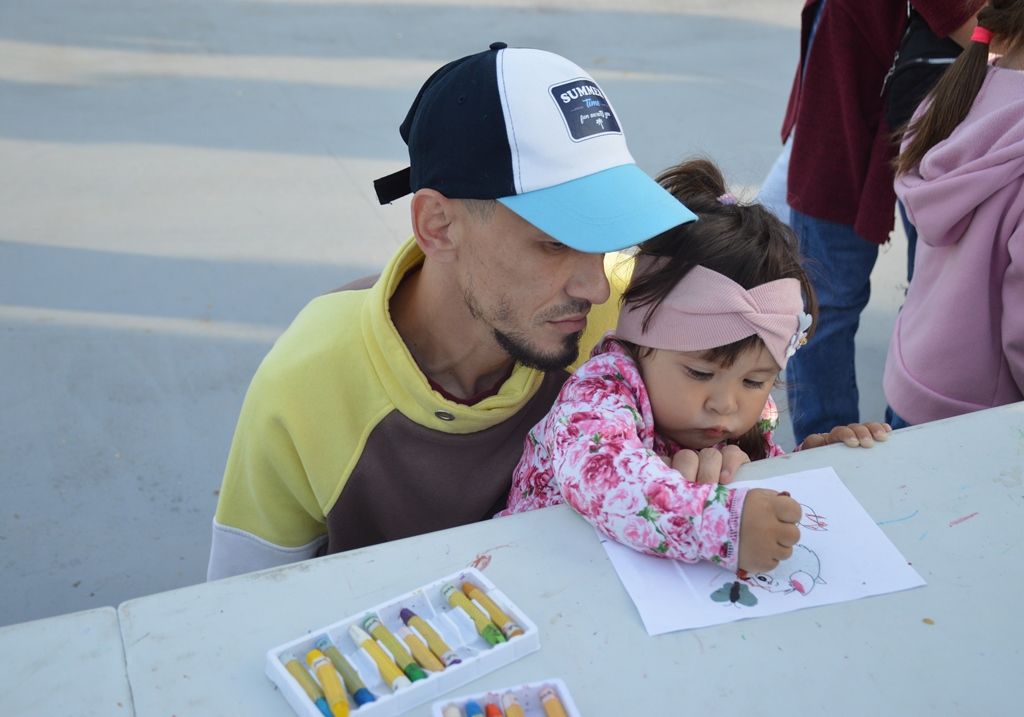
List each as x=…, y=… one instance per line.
x=710, y=465
x=853, y=435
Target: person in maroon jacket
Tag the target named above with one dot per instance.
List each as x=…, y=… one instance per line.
x=840, y=182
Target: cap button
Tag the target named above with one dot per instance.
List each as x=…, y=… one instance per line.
x=444, y=415
x=498, y=46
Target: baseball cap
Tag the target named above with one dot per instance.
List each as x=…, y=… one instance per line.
x=534, y=131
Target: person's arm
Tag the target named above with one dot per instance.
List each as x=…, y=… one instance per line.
x=628, y=493
x=267, y=514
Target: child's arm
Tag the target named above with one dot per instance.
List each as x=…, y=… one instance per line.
x=606, y=472
x=853, y=435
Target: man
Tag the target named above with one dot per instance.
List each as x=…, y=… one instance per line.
x=401, y=409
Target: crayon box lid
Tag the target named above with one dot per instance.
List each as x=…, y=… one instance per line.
x=527, y=695
x=476, y=655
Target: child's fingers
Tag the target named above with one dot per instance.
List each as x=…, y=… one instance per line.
x=880, y=431
x=686, y=462
x=732, y=458
x=787, y=510
x=862, y=434
x=710, y=467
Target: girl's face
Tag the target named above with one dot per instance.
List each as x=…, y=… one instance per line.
x=699, y=404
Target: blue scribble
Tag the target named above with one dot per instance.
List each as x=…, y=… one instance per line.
x=897, y=520
x=923, y=535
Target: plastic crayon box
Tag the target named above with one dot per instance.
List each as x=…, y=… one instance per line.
x=456, y=628
x=527, y=695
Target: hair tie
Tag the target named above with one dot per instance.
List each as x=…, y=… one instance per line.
x=727, y=199
x=981, y=34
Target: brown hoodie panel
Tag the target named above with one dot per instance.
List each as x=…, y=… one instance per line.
x=411, y=479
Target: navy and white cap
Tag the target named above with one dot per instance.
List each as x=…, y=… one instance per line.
x=534, y=131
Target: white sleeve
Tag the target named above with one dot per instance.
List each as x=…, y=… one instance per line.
x=234, y=551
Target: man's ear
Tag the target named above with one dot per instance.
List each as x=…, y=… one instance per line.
x=432, y=216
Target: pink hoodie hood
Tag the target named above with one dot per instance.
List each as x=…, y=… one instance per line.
x=958, y=344
x=983, y=155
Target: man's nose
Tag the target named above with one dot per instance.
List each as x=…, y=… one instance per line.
x=588, y=281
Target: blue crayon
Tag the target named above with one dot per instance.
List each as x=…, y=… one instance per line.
x=473, y=709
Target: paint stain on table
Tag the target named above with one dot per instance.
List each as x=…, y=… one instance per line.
x=962, y=519
x=928, y=621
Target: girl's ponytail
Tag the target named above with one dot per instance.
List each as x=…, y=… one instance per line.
x=955, y=92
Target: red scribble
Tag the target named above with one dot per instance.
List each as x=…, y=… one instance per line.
x=960, y=520
x=482, y=560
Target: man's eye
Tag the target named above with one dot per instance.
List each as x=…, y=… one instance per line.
x=698, y=375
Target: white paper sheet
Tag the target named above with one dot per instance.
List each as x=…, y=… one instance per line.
x=842, y=555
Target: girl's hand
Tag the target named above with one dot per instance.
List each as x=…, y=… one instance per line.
x=853, y=435
x=711, y=465
x=768, y=530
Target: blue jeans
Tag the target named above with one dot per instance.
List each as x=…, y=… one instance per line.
x=894, y=420
x=821, y=379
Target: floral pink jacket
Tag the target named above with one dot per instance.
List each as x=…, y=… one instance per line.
x=597, y=450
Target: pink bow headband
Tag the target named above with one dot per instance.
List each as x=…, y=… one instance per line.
x=706, y=310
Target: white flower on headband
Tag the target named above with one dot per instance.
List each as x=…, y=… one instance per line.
x=800, y=337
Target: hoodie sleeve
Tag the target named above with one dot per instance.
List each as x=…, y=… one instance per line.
x=608, y=474
x=1013, y=296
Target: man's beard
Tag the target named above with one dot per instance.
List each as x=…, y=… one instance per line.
x=516, y=346
x=519, y=347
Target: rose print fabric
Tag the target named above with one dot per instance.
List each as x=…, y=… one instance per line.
x=597, y=450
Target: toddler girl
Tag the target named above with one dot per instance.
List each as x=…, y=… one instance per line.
x=636, y=439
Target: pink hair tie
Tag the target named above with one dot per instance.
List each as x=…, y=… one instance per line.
x=981, y=35
x=727, y=199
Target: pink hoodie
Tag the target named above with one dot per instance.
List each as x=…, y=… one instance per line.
x=958, y=345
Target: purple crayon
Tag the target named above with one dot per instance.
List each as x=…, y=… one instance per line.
x=434, y=641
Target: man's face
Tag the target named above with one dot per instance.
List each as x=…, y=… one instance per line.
x=529, y=290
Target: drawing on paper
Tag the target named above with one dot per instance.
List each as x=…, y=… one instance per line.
x=735, y=593
x=810, y=520
x=800, y=573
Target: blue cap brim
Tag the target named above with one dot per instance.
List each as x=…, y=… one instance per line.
x=607, y=211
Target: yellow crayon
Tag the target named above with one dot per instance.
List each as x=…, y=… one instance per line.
x=486, y=628
x=511, y=705
x=506, y=624
x=420, y=651
x=307, y=683
x=373, y=625
x=435, y=642
x=552, y=705
x=331, y=682
x=389, y=671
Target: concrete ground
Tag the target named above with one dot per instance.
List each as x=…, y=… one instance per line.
x=178, y=178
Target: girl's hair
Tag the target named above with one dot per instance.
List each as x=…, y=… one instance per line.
x=744, y=242
x=956, y=90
